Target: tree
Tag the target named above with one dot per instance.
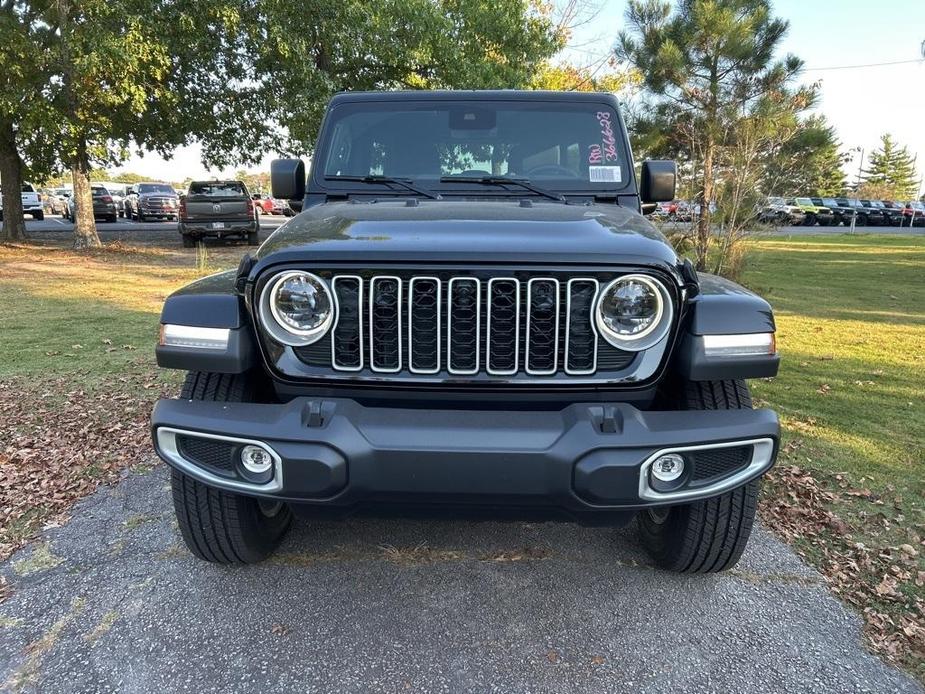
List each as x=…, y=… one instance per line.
x=239, y=76
x=706, y=64
x=306, y=52
x=809, y=163
x=150, y=72
x=25, y=117
x=891, y=171
x=566, y=77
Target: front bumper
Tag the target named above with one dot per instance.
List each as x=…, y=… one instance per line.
x=584, y=459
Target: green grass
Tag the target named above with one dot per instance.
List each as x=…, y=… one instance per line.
x=87, y=315
x=851, y=332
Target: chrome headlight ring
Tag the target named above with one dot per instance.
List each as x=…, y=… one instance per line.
x=272, y=316
x=657, y=328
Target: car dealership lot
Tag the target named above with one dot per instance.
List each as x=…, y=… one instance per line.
x=112, y=602
x=54, y=228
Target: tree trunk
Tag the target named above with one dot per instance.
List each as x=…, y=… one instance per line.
x=85, y=235
x=14, y=226
x=706, y=194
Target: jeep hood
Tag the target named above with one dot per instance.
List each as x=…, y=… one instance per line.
x=468, y=231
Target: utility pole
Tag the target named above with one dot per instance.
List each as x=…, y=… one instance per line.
x=860, y=167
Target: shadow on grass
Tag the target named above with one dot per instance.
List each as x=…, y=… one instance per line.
x=43, y=335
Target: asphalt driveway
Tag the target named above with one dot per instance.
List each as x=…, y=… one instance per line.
x=110, y=602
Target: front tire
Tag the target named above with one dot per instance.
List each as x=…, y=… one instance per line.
x=219, y=526
x=709, y=535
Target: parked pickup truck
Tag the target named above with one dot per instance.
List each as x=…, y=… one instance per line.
x=220, y=209
x=31, y=202
x=470, y=314
x=144, y=201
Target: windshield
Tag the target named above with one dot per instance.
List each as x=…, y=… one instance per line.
x=876, y=203
x=218, y=189
x=155, y=188
x=98, y=191
x=829, y=202
x=563, y=146
x=804, y=201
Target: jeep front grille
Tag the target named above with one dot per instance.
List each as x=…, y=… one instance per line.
x=465, y=327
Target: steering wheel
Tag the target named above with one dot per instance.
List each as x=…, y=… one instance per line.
x=550, y=171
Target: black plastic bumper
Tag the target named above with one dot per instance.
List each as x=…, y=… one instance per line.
x=585, y=458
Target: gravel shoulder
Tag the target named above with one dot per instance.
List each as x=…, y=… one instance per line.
x=111, y=602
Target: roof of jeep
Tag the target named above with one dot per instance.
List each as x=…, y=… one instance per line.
x=474, y=95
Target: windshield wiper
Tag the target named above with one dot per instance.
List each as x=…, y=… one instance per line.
x=501, y=180
x=375, y=178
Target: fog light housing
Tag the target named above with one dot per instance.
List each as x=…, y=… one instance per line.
x=667, y=468
x=256, y=460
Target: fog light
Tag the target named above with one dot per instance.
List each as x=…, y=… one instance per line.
x=668, y=468
x=256, y=459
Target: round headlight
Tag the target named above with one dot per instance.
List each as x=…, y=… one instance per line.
x=633, y=312
x=296, y=308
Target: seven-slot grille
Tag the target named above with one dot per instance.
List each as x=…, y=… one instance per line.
x=465, y=326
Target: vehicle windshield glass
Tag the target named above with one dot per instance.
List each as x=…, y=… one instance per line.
x=804, y=201
x=876, y=203
x=830, y=202
x=560, y=146
x=218, y=189
x=98, y=191
x=27, y=188
x=155, y=188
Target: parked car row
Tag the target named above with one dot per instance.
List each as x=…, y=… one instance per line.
x=835, y=211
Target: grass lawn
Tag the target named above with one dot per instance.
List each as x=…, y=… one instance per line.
x=848, y=488
x=76, y=350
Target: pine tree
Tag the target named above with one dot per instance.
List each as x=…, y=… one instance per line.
x=810, y=163
x=892, y=170
x=709, y=62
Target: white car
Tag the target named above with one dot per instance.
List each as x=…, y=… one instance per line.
x=31, y=202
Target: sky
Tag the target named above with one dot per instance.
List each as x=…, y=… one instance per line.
x=862, y=103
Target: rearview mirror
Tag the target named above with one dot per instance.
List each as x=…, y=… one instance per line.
x=287, y=179
x=657, y=181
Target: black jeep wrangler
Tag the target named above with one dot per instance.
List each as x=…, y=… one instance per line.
x=470, y=313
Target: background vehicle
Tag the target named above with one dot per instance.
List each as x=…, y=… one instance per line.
x=271, y=205
x=777, y=211
x=876, y=213
x=862, y=213
x=145, y=201
x=103, y=206
x=117, y=191
x=815, y=214
x=841, y=213
x=892, y=212
x=219, y=209
x=441, y=328
x=31, y=203
x=914, y=213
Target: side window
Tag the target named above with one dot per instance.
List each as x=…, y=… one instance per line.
x=339, y=158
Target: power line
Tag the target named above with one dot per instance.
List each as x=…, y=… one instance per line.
x=854, y=67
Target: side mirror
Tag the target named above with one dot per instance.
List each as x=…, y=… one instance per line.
x=287, y=179
x=657, y=181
